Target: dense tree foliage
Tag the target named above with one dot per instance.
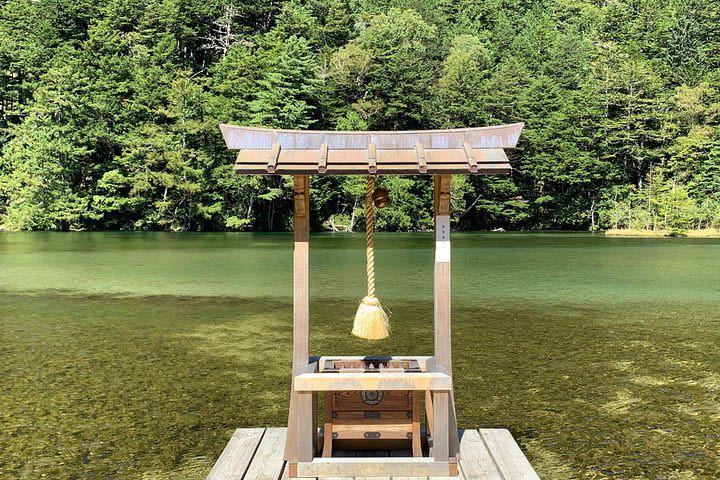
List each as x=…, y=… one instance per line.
x=109, y=110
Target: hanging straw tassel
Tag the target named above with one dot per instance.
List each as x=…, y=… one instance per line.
x=371, y=321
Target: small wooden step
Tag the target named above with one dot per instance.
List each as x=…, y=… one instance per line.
x=257, y=454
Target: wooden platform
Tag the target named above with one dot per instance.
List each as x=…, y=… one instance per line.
x=485, y=454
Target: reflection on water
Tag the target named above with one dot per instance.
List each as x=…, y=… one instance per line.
x=136, y=355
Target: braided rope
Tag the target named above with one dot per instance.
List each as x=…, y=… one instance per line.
x=369, y=243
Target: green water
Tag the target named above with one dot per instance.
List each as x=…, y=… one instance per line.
x=127, y=355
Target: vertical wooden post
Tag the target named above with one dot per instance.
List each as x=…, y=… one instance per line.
x=441, y=430
x=445, y=434
x=300, y=442
x=301, y=267
x=443, y=343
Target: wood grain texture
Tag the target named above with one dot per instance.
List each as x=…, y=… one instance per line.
x=507, y=454
x=372, y=467
x=268, y=463
x=416, y=435
x=490, y=454
x=237, y=455
x=475, y=459
x=440, y=436
x=306, y=429
x=392, y=400
x=376, y=381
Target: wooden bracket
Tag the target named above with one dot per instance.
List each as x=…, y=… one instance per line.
x=273, y=158
x=300, y=191
x=442, y=194
x=322, y=162
x=372, y=158
x=421, y=157
x=472, y=162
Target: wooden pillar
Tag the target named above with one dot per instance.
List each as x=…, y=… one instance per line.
x=301, y=269
x=300, y=437
x=444, y=430
x=443, y=343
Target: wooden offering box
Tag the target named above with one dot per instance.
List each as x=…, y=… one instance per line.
x=371, y=414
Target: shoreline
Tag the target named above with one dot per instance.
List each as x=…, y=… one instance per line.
x=695, y=233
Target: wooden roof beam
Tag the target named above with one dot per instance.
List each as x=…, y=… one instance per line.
x=273, y=158
x=472, y=162
x=322, y=162
x=421, y=157
x=372, y=158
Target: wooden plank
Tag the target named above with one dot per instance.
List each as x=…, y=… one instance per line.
x=507, y=454
x=322, y=382
x=475, y=460
x=268, y=463
x=338, y=158
x=490, y=454
x=391, y=400
x=387, y=429
x=498, y=136
x=375, y=467
x=237, y=455
x=362, y=169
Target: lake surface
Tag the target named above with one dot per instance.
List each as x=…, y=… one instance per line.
x=135, y=355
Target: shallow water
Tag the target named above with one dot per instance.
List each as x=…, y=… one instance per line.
x=135, y=355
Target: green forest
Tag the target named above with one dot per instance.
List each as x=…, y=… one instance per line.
x=109, y=110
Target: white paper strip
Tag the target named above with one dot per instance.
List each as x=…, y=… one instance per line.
x=442, y=238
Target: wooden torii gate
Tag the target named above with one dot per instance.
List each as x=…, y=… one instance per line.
x=440, y=153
